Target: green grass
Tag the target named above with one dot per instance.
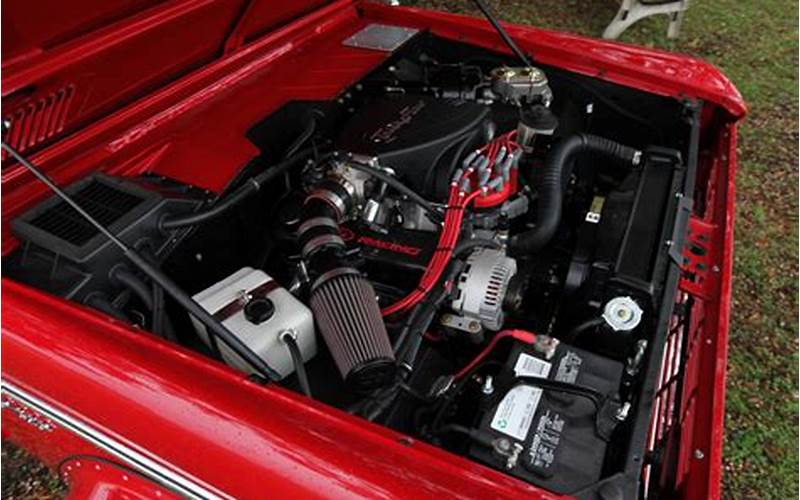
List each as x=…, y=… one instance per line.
x=755, y=43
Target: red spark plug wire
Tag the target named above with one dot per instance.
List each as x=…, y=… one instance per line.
x=456, y=205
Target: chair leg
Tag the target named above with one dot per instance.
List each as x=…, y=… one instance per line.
x=676, y=18
x=621, y=22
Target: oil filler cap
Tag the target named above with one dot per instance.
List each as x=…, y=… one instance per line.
x=259, y=310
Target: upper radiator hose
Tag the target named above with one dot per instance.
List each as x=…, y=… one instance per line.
x=548, y=211
x=344, y=303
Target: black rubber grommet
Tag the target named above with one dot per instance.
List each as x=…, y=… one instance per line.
x=259, y=310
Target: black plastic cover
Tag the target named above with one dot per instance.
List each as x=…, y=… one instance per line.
x=63, y=254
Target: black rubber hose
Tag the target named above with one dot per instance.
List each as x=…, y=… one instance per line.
x=161, y=323
x=582, y=327
x=102, y=304
x=252, y=186
x=158, y=309
x=410, y=340
x=152, y=297
x=135, y=285
x=468, y=245
x=549, y=206
x=421, y=315
x=305, y=135
x=299, y=366
x=401, y=188
x=422, y=310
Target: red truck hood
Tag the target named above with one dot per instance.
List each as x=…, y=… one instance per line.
x=66, y=64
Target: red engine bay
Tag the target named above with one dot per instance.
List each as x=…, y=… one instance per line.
x=420, y=263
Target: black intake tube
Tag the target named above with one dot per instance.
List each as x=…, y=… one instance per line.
x=344, y=303
x=549, y=206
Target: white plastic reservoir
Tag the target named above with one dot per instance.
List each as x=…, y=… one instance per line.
x=258, y=311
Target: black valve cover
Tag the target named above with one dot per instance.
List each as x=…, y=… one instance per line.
x=420, y=137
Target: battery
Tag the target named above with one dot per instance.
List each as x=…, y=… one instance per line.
x=553, y=439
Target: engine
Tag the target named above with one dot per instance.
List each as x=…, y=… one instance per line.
x=473, y=253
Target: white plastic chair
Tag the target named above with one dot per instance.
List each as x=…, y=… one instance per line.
x=634, y=10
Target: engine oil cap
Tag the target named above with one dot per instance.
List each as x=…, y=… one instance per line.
x=259, y=310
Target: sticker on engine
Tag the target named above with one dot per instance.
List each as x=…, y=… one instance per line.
x=515, y=413
x=530, y=366
x=569, y=367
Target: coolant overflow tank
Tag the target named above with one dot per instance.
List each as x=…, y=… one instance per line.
x=255, y=308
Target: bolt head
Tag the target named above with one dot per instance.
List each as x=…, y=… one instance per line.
x=503, y=444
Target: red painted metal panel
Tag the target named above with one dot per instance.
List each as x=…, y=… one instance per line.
x=111, y=66
x=30, y=28
x=111, y=53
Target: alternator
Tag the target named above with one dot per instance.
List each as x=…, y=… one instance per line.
x=482, y=286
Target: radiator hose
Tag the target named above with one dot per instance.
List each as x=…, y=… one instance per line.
x=549, y=205
x=343, y=301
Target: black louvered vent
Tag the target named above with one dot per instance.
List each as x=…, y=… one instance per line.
x=104, y=202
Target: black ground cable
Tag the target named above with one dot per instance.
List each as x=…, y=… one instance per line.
x=592, y=395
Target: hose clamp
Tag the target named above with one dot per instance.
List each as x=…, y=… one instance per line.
x=333, y=273
x=332, y=199
x=320, y=241
x=316, y=222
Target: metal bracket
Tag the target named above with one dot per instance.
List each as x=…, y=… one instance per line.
x=700, y=263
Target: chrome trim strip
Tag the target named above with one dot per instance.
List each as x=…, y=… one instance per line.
x=174, y=480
